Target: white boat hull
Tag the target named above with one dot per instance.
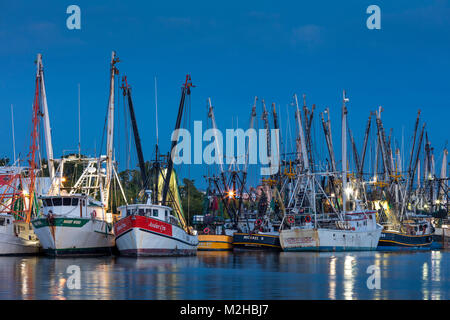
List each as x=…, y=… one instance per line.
x=13, y=245
x=144, y=236
x=329, y=240
x=74, y=236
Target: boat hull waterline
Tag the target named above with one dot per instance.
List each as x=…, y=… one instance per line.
x=145, y=236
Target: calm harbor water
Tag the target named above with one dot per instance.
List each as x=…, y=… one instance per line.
x=228, y=275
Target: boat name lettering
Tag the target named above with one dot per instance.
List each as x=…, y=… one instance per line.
x=253, y=238
x=299, y=240
x=157, y=226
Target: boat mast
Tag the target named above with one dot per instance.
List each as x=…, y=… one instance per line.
x=47, y=128
x=344, y=151
x=184, y=90
x=127, y=92
x=110, y=131
x=302, y=136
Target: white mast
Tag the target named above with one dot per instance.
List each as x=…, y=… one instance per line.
x=302, y=136
x=443, y=188
x=213, y=121
x=344, y=151
x=110, y=131
x=47, y=128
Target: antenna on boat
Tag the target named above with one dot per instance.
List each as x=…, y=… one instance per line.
x=344, y=151
x=79, y=123
x=12, y=128
x=156, y=111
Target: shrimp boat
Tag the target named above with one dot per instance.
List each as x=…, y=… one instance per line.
x=152, y=230
x=305, y=229
x=16, y=234
x=213, y=235
x=73, y=221
x=358, y=231
x=412, y=235
x=260, y=230
x=155, y=229
x=257, y=234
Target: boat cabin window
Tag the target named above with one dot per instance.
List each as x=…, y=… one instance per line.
x=141, y=212
x=7, y=221
x=167, y=213
x=155, y=212
x=173, y=220
x=148, y=212
x=60, y=202
x=2, y=221
x=128, y=212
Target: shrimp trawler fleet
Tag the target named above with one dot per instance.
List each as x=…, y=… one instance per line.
x=312, y=207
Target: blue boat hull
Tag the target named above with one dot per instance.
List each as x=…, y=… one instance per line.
x=247, y=241
x=396, y=241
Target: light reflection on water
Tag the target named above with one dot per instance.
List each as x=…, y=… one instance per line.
x=227, y=275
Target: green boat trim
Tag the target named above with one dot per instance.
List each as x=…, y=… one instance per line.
x=60, y=222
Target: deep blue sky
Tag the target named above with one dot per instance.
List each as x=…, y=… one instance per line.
x=234, y=50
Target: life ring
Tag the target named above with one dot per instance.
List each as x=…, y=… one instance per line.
x=206, y=230
x=308, y=219
x=93, y=214
x=291, y=219
x=258, y=222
